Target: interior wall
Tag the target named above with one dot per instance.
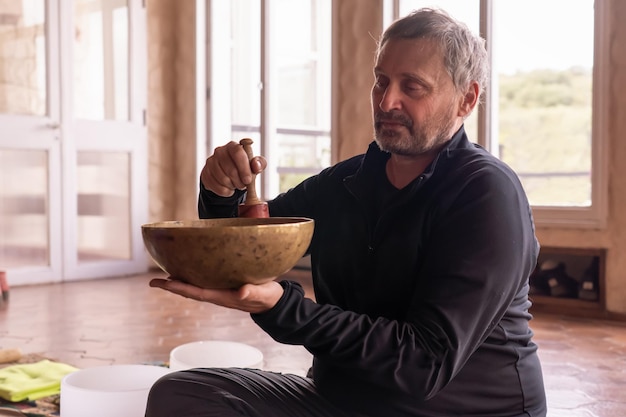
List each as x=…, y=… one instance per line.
x=186, y=187
x=171, y=108
x=356, y=30
x=161, y=109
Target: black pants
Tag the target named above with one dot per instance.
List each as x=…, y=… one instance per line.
x=237, y=392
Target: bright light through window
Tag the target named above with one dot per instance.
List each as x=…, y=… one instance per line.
x=286, y=108
x=545, y=96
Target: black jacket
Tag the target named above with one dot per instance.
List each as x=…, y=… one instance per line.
x=422, y=301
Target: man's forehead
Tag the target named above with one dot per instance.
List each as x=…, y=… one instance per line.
x=424, y=44
x=415, y=52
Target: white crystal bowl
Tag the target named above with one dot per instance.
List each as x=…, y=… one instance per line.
x=215, y=354
x=106, y=391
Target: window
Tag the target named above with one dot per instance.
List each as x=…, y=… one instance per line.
x=543, y=110
x=270, y=81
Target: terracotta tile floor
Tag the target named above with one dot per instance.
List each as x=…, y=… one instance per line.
x=122, y=320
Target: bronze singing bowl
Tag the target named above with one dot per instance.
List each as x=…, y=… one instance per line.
x=226, y=253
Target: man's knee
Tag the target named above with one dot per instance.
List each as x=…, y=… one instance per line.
x=161, y=394
x=198, y=393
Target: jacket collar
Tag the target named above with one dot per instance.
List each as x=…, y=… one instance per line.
x=374, y=160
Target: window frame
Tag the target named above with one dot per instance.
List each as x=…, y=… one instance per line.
x=218, y=82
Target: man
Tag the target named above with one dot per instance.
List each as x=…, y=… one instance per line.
x=420, y=259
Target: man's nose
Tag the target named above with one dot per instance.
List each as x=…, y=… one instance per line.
x=391, y=99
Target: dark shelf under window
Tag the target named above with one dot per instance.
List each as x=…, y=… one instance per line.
x=569, y=281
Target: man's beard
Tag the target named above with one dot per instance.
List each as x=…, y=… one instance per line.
x=412, y=140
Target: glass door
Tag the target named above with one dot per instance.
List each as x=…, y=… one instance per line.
x=105, y=183
x=73, y=170
x=30, y=172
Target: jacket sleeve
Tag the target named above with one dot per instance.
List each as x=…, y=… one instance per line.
x=211, y=206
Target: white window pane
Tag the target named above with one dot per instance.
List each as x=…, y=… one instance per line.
x=245, y=68
x=300, y=156
x=24, y=217
x=23, y=67
x=101, y=68
x=103, y=224
x=301, y=54
x=298, y=63
x=544, y=103
x=297, y=83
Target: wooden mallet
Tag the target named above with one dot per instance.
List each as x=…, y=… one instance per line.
x=252, y=206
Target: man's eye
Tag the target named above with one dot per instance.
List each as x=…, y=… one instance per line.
x=413, y=87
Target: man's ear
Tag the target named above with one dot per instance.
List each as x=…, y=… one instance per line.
x=469, y=99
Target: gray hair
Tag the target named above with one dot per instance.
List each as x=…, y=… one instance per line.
x=465, y=56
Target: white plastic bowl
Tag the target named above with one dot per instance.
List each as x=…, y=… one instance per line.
x=215, y=354
x=106, y=391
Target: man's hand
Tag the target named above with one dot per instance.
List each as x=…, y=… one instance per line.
x=249, y=298
x=229, y=168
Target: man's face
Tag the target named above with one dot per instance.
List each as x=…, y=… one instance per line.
x=414, y=103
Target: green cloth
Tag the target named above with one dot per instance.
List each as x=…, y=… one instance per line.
x=33, y=380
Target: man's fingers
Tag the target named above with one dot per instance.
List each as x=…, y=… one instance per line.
x=242, y=173
x=223, y=297
x=250, y=298
x=228, y=174
x=258, y=164
x=229, y=169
